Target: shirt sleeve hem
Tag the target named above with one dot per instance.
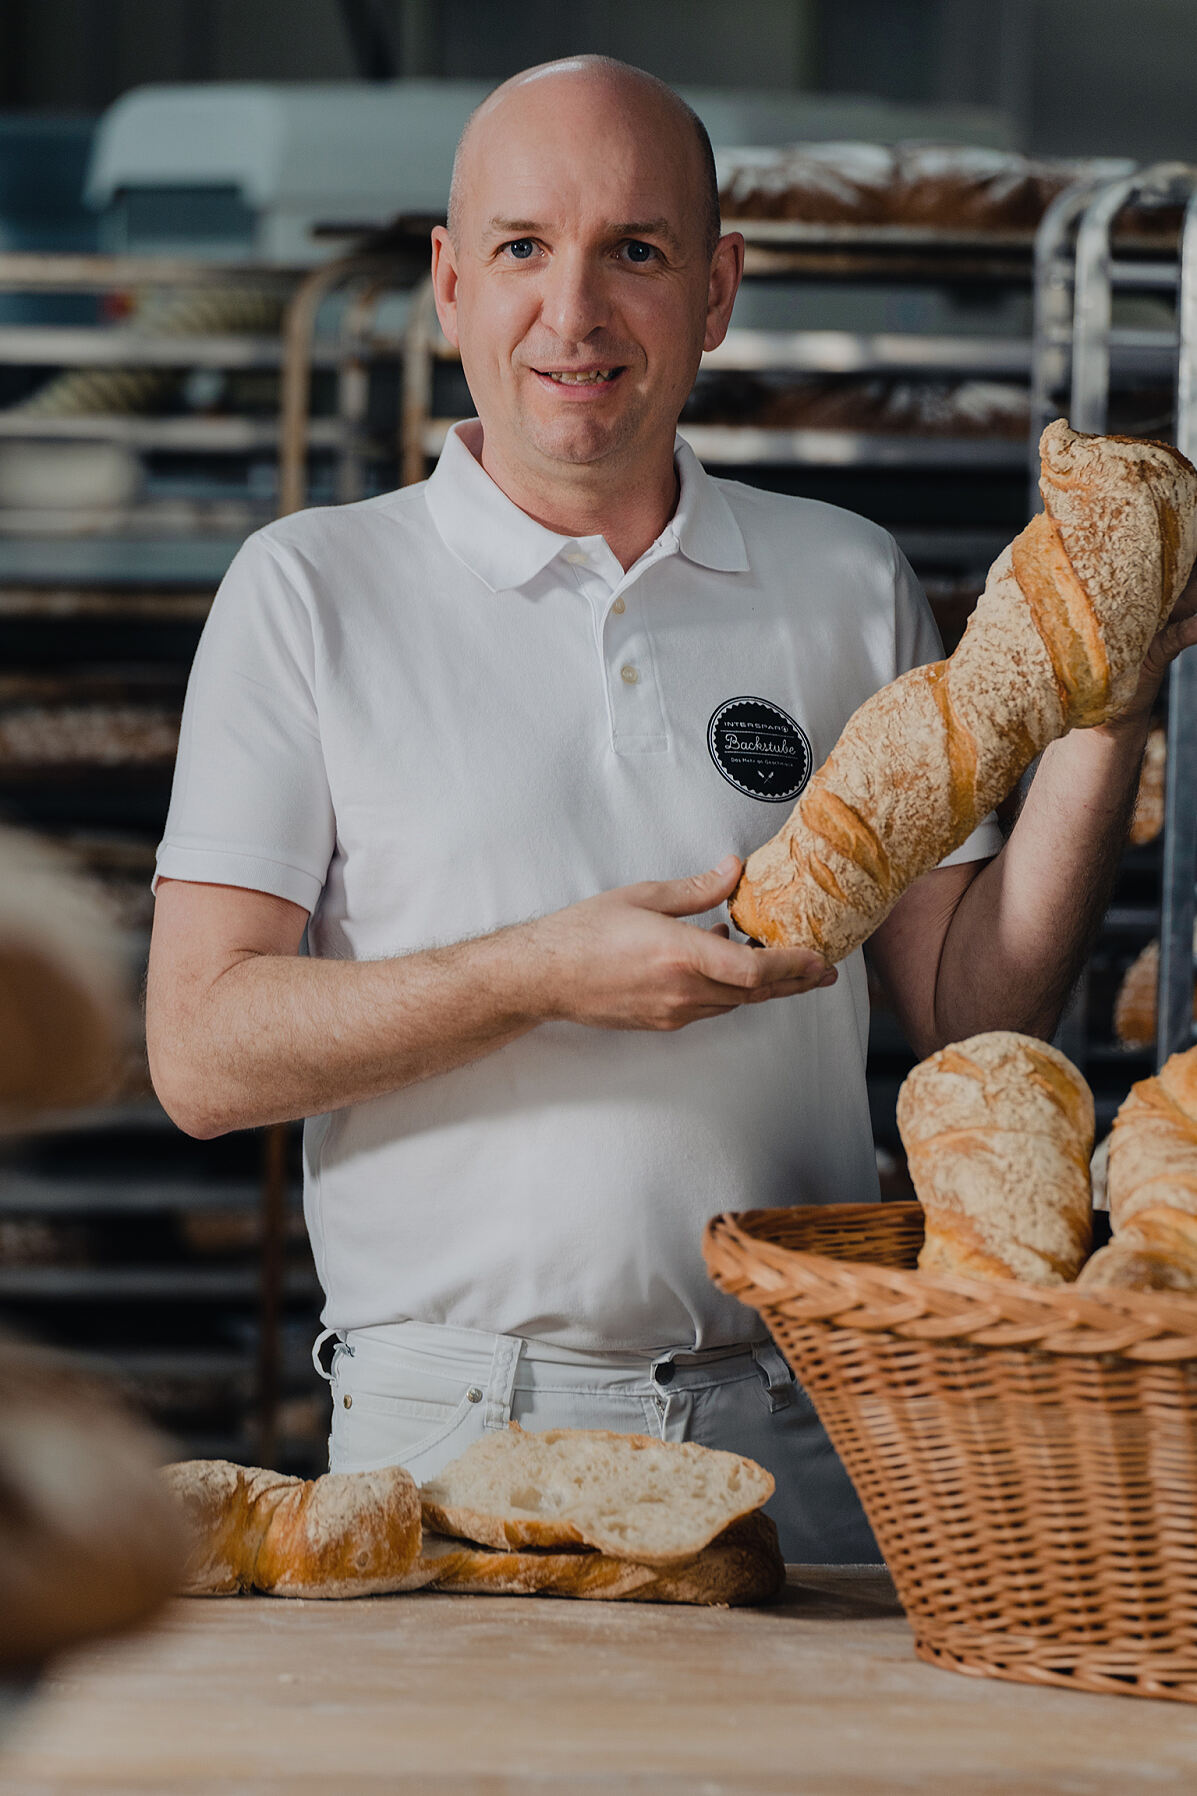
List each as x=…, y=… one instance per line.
x=982, y=845
x=225, y=867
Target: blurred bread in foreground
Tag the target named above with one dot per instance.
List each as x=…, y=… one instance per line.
x=89, y=1542
x=63, y=1003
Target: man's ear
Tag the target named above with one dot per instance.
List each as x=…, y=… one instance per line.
x=444, y=282
x=727, y=271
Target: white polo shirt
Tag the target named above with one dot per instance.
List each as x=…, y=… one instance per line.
x=425, y=716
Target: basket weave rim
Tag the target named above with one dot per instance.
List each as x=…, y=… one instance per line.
x=744, y=1260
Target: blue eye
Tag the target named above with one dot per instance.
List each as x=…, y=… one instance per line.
x=522, y=249
x=640, y=252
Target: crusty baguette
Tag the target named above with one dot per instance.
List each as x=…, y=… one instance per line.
x=1135, y=1005
x=1056, y=642
x=1153, y=1167
x=628, y=1495
x=743, y=1564
x=346, y=1534
x=998, y=1131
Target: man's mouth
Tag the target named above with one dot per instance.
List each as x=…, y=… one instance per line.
x=587, y=377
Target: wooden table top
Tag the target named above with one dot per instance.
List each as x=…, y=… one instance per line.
x=818, y=1695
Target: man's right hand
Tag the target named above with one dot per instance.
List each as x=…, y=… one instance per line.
x=625, y=960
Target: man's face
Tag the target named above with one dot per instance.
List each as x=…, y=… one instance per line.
x=579, y=289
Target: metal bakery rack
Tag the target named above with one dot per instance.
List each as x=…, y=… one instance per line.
x=134, y=458
x=1116, y=312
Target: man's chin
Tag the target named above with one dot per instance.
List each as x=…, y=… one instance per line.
x=580, y=442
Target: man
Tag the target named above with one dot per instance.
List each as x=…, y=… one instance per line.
x=477, y=737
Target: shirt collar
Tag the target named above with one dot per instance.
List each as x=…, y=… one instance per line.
x=506, y=548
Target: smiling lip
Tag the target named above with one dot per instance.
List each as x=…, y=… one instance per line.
x=579, y=383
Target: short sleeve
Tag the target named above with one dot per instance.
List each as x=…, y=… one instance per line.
x=250, y=803
x=917, y=641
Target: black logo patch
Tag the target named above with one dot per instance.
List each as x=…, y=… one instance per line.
x=759, y=749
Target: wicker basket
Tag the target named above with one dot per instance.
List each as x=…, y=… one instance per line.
x=1027, y=1458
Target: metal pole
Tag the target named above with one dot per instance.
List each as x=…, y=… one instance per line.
x=1174, y=1005
x=1051, y=329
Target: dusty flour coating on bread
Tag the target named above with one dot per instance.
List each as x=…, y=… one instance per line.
x=1153, y=1156
x=1056, y=642
x=998, y=1131
x=346, y=1534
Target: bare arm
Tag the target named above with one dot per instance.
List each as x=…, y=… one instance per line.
x=998, y=944
x=243, y=1032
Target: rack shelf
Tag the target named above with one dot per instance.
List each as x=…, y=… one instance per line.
x=92, y=1194
x=151, y=1284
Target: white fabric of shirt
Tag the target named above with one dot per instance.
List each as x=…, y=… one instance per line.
x=411, y=717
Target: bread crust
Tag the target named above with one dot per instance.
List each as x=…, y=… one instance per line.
x=1153, y=1159
x=741, y=1565
x=346, y=1534
x=998, y=1132
x=1056, y=642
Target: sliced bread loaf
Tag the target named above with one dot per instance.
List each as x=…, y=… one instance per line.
x=741, y=1565
x=627, y=1495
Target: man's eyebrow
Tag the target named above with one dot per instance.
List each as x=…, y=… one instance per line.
x=514, y=227
x=530, y=227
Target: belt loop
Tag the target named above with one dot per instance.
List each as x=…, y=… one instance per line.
x=326, y=1335
x=501, y=1383
x=779, y=1380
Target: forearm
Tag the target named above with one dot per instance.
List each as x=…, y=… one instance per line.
x=278, y=1037
x=1023, y=929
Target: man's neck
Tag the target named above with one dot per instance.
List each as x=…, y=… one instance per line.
x=628, y=512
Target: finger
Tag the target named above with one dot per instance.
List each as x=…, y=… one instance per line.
x=712, y=992
x=1177, y=636
x=723, y=930
x=1186, y=604
x=791, y=988
x=688, y=897
x=733, y=963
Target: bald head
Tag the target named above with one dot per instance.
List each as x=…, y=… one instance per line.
x=633, y=94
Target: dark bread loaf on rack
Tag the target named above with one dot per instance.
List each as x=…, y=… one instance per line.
x=1056, y=642
x=1135, y=1005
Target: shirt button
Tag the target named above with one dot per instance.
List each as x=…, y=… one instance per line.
x=629, y=675
x=576, y=560
x=619, y=607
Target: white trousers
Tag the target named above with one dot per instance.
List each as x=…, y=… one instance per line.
x=416, y=1395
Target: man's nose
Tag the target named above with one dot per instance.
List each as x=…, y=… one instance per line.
x=572, y=298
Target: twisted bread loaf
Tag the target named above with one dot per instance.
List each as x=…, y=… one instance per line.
x=998, y=1130
x=1056, y=643
x=1153, y=1186
x=346, y=1534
